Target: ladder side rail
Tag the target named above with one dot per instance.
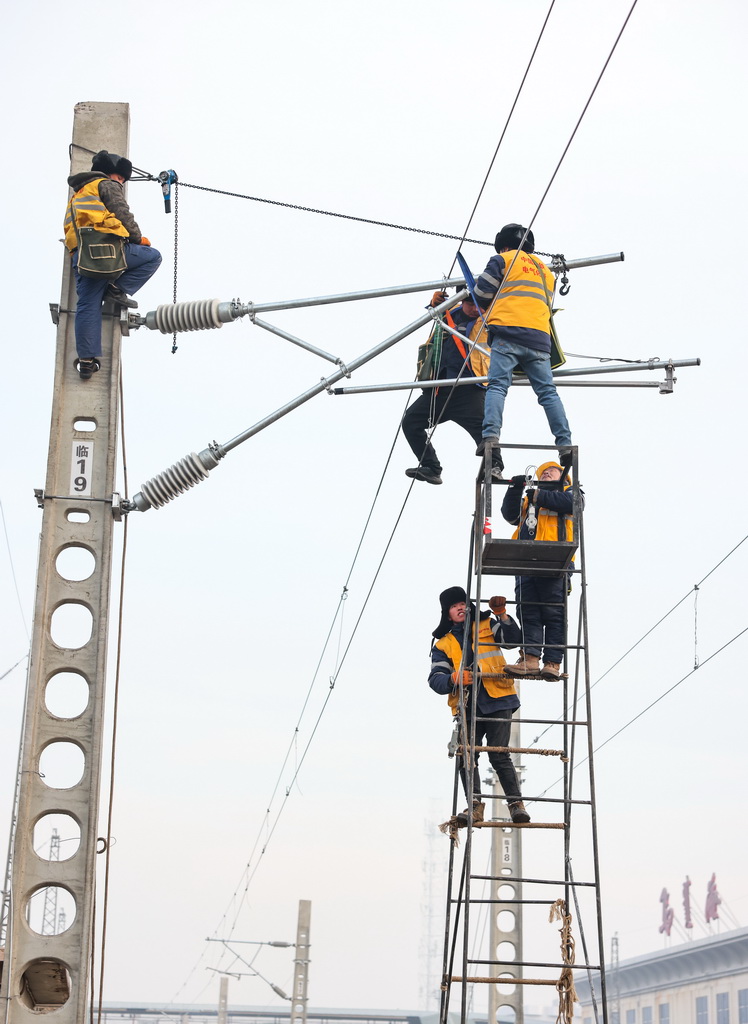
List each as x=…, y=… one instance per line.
x=591, y=767
x=446, y=964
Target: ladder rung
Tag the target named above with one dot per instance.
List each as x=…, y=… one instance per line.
x=513, y=750
x=531, y=963
x=537, y=799
x=503, y=981
x=530, y=881
x=543, y=903
x=529, y=675
x=536, y=721
x=519, y=824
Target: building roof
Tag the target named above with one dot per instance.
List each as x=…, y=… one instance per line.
x=717, y=956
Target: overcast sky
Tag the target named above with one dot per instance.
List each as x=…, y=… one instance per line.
x=390, y=112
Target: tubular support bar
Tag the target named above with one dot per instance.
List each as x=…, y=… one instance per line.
x=189, y=471
x=205, y=314
x=570, y=372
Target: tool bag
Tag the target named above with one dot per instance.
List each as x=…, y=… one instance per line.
x=430, y=354
x=100, y=253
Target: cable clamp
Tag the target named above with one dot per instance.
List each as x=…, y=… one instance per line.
x=339, y=362
x=667, y=385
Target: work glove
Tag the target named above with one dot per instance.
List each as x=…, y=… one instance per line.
x=498, y=605
x=518, y=481
x=437, y=298
x=531, y=495
x=145, y=241
x=467, y=677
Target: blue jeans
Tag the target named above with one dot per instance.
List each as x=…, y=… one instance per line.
x=142, y=263
x=505, y=356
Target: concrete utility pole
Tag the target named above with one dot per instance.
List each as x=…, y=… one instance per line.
x=506, y=859
x=51, y=972
x=301, y=964
x=223, y=1000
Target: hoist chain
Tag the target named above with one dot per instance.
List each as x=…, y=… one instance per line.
x=174, y=345
x=330, y=213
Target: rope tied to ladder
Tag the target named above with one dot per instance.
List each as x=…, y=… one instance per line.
x=567, y=994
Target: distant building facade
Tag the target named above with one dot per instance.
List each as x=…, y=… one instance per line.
x=699, y=982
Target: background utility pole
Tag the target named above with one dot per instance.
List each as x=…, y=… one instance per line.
x=301, y=964
x=506, y=859
x=223, y=1000
x=52, y=971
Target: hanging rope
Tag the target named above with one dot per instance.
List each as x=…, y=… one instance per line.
x=567, y=994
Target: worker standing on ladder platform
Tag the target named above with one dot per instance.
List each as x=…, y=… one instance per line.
x=497, y=697
x=544, y=513
x=515, y=289
x=447, y=360
x=99, y=202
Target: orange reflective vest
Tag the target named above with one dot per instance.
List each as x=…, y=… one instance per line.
x=522, y=300
x=489, y=662
x=90, y=212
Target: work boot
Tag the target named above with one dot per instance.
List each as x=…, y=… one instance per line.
x=431, y=476
x=518, y=813
x=528, y=665
x=564, y=456
x=478, y=812
x=87, y=368
x=551, y=670
x=491, y=442
x=121, y=298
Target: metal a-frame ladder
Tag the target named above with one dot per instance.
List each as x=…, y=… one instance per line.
x=522, y=905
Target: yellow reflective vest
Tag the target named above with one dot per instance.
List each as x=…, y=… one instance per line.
x=548, y=520
x=489, y=661
x=522, y=299
x=90, y=212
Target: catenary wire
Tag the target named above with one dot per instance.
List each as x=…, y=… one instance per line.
x=653, y=703
x=503, y=133
x=13, y=574
x=659, y=622
x=402, y=509
x=9, y=670
x=294, y=737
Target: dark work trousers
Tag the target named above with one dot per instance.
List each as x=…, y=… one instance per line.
x=542, y=623
x=496, y=732
x=465, y=407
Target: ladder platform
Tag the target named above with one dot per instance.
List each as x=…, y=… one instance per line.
x=503, y=557
x=519, y=824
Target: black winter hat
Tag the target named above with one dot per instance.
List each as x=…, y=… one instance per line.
x=448, y=597
x=511, y=235
x=110, y=163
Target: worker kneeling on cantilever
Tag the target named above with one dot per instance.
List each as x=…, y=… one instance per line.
x=515, y=289
x=462, y=405
x=496, y=699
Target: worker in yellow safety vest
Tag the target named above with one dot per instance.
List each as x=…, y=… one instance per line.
x=98, y=202
x=496, y=699
x=515, y=290
x=461, y=404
